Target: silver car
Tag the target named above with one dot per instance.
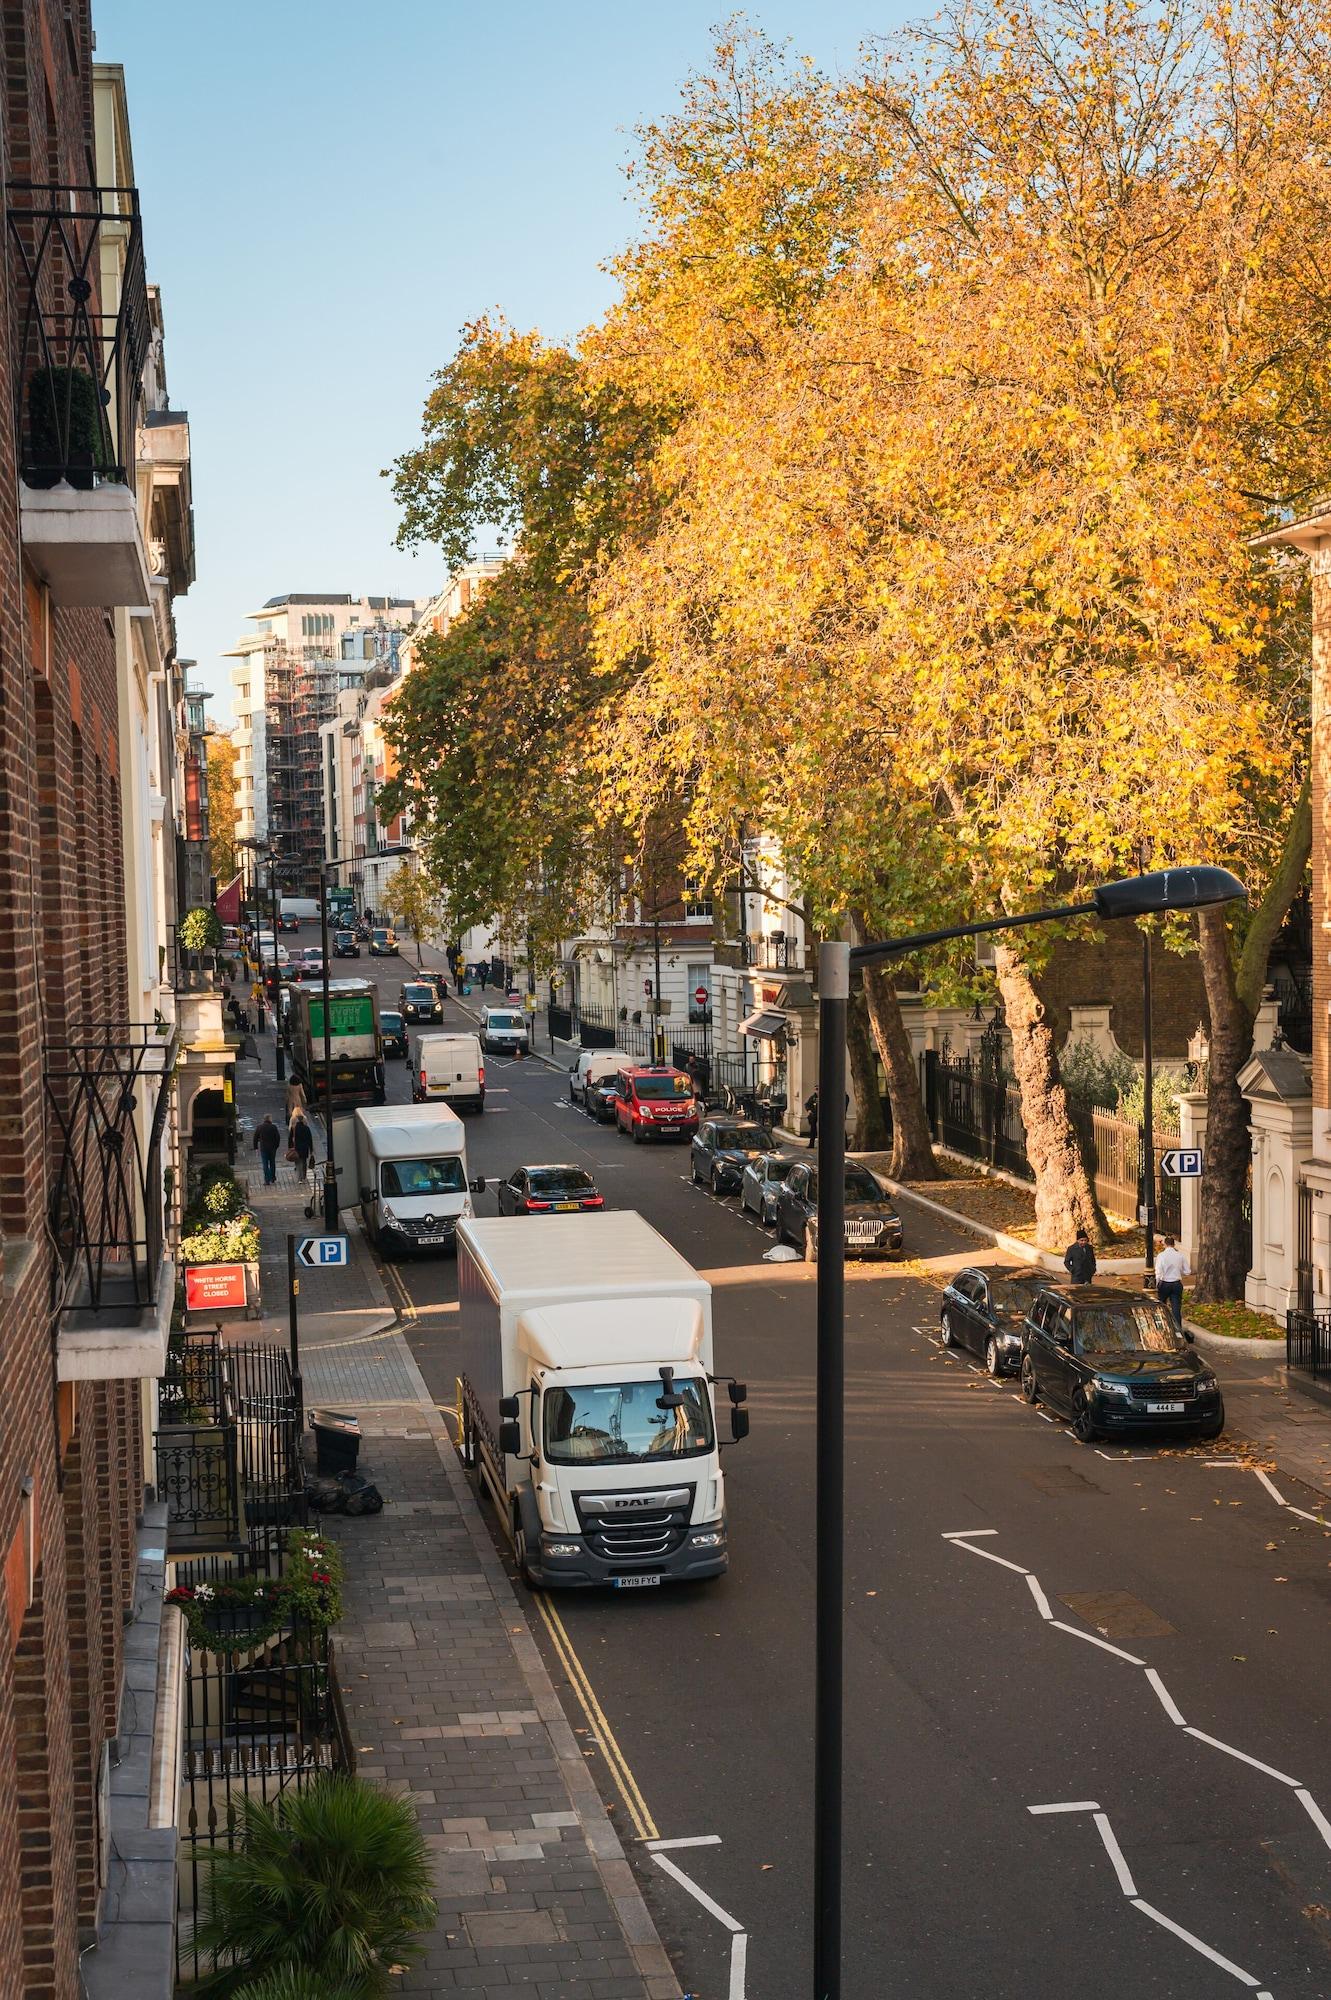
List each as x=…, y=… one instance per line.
x=761, y=1183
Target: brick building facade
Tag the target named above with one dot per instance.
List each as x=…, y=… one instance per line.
x=71, y=1450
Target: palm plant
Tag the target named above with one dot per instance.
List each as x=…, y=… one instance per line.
x=292, y=1984
x=333, y=1881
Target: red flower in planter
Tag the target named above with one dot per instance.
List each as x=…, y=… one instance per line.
x=320, y=1576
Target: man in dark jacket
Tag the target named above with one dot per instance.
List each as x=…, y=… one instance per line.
x=1079, y=1259
x=267, y=1139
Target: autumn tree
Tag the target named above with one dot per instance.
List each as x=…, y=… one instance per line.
x=221, y=753
x=411, y=898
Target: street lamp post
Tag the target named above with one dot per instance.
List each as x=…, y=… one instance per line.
x=280, y=1066
x=1142, y=895
x=330, y=1164
x=1148, y=1115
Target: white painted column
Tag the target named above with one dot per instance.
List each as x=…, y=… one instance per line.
x=1192, y=1133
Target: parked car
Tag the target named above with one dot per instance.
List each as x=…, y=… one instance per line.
x=549, y=1191
x=439, y=983
x=383, y=944
x=345, y=945
x=873, y=1227
x=722, y=1150
x=393, y=1032
x=655, y=1099
x=591, y=1066
x=504, y=1032
x=600, y=1100
x=1115, y=1361
x=418, y=1003
x=761, y=1183
x=985, y=1311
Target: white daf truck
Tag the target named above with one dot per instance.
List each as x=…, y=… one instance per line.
x=588, y=1398
x=411, y=1169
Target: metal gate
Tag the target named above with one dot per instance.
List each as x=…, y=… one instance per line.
x=1304, y=1273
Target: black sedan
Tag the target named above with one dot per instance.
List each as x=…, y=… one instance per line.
x=599, y=1099
x=438, y=981
x=393, y=1032
x=873, y=1227
x=1115, y=1361
x=345, y=945
x=549, y=1191
x=985, y=1311
x=722, y=1149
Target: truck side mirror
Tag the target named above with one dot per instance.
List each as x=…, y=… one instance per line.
x=367, y=1194
x=510, y=1439
x=738, y=1392
x=478, y=1185
x=508, y=1408
x=739, y=1424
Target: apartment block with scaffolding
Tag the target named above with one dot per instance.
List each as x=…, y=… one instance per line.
x=304, y=650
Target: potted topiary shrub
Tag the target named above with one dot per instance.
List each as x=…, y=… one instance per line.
x=66, y=428
x=333, y=1882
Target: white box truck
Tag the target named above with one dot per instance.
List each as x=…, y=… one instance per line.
x=588, y=1400
x=411, y=1170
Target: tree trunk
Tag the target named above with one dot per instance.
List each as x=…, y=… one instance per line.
x=1233, y=995
x=1222, y=1263
x=1064, y=1196
x=870, y=1125
x=912, y=1145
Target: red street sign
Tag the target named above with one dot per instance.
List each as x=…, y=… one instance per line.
x=701, y=995
x=210, y=1286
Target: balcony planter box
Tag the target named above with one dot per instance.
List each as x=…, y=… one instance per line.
x=66, y=429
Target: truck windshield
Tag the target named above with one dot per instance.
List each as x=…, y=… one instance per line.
x=649, y=1088
x=505, y=1020
x=597, y=1423
x=402, y=1177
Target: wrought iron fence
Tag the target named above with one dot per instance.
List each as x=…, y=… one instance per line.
x=109, y=1094
x=80, y=356
x=255, y=1725
x=227, y=1447
x=775, y=952
x=1308, y=1343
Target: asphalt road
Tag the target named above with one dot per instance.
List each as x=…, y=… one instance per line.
x=1135, y=1640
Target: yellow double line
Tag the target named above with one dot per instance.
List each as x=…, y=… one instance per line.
x=625, y=1782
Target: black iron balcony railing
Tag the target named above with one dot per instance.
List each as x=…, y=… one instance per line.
x=108, y=1094
x=80, y=357
x=227, y=1448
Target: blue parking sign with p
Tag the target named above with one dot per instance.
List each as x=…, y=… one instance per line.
x=323, y=1252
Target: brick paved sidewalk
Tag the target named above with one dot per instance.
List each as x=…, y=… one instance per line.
x=447, y=1696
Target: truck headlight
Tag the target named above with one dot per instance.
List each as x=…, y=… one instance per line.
x=1107, y=1388
x=562, y=1548
x=467, y=1208
x=711, y=1538
x=386, y=1213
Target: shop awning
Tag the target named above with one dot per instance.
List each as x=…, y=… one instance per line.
x=765, y=1026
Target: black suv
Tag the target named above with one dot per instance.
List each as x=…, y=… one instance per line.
x=1115, y=1361
x=873, y=1227
x=986, y=1312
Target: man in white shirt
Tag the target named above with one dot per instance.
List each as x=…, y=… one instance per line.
x=1171, y=1268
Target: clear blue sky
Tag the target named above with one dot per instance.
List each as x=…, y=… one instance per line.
x=330, y=191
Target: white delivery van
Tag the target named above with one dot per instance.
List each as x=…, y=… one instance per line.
x=449, y=1069
x=411, y=1168
x=305, y=909
x=504, y=1031
x=588, y=1399
x=590, y=1067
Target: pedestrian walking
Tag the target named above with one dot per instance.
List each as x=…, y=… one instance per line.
x=811, y=1107
x=484, y=974
x=1079, y=1259
x=267, y=1139
x=300, y=1143
x=1171, y=1268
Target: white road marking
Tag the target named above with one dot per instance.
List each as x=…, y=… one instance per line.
x=967, y=1534
x=1115, y=1853
x=1216, y=1958
x=693, y=1840
x=1041, y=1601
x=1243, y=1757
x=1280, y=1502
x=1167, y=1702
x=739, y=1959
x=699, y=1895
x=1315, y=1814
x=1002, y=1561
x=1092, y=1639
x=1073, y=1805
x=1304, y=1515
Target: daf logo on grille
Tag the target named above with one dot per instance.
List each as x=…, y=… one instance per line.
x=632, y=1503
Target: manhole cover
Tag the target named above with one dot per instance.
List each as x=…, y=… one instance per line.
x=1060, y=1479
x=1117, y=1614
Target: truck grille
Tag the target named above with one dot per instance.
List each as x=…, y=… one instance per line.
x=629, y=1535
